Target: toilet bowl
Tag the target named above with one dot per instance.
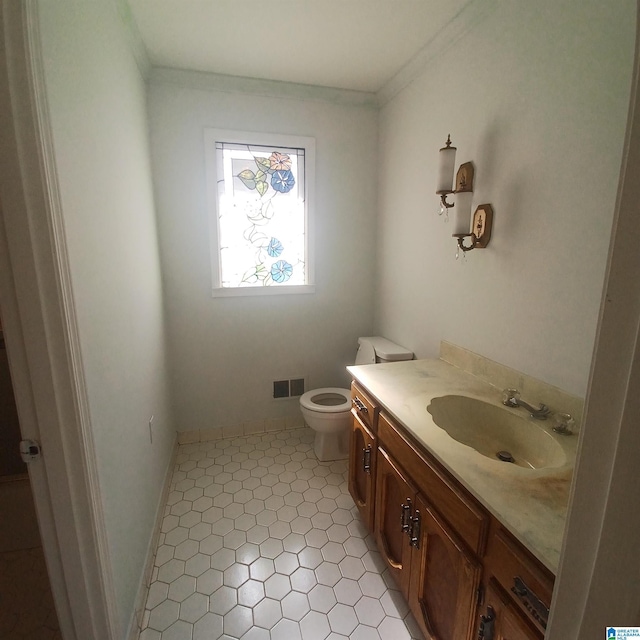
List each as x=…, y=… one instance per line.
x=328, y=410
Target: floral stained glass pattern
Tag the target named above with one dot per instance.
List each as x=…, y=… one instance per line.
x=261, y=215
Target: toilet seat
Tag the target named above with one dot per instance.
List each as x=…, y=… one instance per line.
x=327, y=400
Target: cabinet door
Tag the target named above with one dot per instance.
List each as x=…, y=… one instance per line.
x=501, y=619
x=362, y=470
x=394, y=506
x=444, y=580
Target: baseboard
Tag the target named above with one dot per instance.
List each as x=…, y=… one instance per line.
x=245, y=429
x=136, y=624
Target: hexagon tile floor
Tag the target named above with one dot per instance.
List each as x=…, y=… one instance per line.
x=260, y=541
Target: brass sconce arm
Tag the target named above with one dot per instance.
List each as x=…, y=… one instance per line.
x=482, y=223
x=443, y=200
x=460, y=238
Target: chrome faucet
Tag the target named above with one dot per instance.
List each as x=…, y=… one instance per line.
x=511, y=398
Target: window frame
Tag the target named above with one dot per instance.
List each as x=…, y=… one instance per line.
x=213, y=136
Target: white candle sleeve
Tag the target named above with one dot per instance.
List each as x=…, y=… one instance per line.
x=445, y=170
x=463, y=212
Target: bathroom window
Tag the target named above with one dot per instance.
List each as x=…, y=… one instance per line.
x=260, y=191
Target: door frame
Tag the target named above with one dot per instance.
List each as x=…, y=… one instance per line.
x=597, y=583
x=43, y=346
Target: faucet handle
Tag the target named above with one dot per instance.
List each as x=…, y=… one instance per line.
x=510, y=397
x=563, y=424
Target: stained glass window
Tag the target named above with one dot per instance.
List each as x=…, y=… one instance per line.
x=261, y=225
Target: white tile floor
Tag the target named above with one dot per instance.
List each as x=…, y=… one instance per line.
x=260, y=541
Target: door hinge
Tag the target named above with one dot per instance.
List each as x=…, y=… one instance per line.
x=414, y=534
x=30, y=450
x=405, y=517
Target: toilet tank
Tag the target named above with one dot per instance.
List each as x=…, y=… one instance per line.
x=377, y=349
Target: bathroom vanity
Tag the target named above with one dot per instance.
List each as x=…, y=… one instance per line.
x=472, y=541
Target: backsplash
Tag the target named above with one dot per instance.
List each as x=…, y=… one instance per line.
x=500, y=376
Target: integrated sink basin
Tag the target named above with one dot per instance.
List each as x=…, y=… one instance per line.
x=497, y=432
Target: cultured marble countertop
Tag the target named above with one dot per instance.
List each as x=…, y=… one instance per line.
x=531, y=503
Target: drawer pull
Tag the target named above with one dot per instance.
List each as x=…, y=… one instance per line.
x=366, y=459
x=530, y=600
x=405, y=517
x=415, y=530
x=360, y=406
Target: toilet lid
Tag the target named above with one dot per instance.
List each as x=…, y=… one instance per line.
x=327, y=400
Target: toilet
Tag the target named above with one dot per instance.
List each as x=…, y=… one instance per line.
x=328, y=411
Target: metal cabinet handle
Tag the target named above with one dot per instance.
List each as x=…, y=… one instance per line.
x=415, y=530
x=366, y=459
x=531, y=601
x=360, y=406
x=405, y=517
x=486, y=630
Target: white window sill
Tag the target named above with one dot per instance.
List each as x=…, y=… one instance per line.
x=236, y=292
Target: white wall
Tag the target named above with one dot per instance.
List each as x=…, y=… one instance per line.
x=225, y=352
x=536, y=96
x=100, y=134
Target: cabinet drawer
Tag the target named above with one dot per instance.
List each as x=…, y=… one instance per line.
x=528, y=582
x=457, y=508
x=363, y=406
x=508, y=623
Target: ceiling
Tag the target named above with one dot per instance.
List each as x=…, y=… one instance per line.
x=347, y=44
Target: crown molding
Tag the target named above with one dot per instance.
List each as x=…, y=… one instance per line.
x=254, y=86
x=133, y=37
x=468, y=18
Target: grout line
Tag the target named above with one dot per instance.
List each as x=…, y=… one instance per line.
x=261, y=510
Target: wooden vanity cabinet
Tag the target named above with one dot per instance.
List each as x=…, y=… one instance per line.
x=363, y=451
x=455, y=564
x=431, y=562
x=459, y=509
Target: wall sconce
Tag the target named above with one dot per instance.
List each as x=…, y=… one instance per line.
x=478, y=227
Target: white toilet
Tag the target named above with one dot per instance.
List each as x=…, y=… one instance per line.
x=328, y=411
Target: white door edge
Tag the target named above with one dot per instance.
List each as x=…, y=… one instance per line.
x=37, y=303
